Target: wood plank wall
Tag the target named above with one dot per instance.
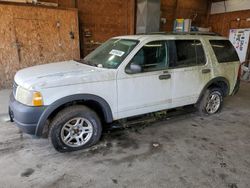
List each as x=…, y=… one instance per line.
x=100, y=20
x=103, y=19
x=222, y=23
x=192, y=9
x=107, y=18
x=34, y=35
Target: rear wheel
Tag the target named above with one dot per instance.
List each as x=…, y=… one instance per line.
x=211, y=102
x=75, y=128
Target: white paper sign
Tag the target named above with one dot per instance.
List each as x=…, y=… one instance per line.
x=117, y=53
x=240, y=40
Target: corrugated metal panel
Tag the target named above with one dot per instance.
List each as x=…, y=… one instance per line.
x=148, y=16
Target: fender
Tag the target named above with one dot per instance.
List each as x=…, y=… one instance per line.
x=85, y=97
x=214, y=80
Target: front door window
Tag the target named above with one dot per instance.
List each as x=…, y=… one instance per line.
x=151, y=57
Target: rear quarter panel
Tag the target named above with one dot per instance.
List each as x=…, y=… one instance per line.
x=228, y=70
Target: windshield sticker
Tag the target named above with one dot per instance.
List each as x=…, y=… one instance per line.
x=117, y=53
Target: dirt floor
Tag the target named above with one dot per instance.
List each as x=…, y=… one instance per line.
x=184, y=151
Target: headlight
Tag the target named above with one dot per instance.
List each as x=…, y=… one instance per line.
x=29, y=98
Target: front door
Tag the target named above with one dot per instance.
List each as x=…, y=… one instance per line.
x=145, y=84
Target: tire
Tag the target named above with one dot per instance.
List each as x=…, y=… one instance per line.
x=209, y=106
x=75, y=128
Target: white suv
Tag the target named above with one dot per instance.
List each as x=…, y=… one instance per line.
x=126, y=76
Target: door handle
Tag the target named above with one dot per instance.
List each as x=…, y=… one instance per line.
x=204, y=71
x=165, y=76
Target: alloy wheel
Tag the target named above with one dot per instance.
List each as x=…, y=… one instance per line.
x=76, y=132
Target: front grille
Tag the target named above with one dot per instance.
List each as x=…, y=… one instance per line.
x=14, y=88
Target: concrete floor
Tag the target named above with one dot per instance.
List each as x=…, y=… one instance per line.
x=184, y=151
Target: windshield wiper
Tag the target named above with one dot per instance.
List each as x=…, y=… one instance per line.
x=86, y=62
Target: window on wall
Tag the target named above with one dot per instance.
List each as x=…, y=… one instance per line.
x=152, y=56
x=188, y=53
x=224, y=51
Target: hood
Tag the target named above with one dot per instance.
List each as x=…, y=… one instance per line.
x=61, y=74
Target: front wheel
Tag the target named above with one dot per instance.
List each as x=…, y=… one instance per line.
x=75, y=128
x=211, y=101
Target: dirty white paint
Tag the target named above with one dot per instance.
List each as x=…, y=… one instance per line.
x=58, y=80
x=231, y=5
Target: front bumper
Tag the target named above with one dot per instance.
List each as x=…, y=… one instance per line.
x=25, y=117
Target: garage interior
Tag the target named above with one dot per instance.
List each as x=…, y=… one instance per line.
x=182, y=150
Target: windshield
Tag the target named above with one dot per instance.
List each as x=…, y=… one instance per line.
x=111, y=53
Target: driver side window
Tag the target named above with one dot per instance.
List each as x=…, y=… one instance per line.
x=151, y=57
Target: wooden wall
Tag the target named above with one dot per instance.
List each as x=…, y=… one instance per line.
x=192, y=9
x=112, y=17
x=35, y=35
x=222, y=23
x=102, y=19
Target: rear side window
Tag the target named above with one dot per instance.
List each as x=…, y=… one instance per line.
x=224, y=51
x=188, y=53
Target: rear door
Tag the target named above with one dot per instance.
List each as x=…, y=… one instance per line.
x=191, y=71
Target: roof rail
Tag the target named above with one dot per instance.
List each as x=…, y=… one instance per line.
x=196, y=33
x=183, y=33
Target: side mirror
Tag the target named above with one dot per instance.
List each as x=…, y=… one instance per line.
x=134, y=68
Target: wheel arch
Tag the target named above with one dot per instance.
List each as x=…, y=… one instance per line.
x=220, y=82
x=101, y=107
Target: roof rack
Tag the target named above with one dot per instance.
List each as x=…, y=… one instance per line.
x=196, y=33
x=183, y=33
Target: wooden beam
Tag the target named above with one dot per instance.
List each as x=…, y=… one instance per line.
x=131, y=6
x=209, y=5
x=176, y=7
x=217, y=0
